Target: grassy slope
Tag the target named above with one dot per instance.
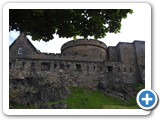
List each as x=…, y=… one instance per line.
x=87, y=99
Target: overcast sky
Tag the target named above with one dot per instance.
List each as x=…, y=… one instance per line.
x=133, y=28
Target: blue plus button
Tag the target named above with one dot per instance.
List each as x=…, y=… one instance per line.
x=147, y=99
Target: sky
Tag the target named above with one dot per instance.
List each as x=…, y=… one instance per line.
x=133, y=28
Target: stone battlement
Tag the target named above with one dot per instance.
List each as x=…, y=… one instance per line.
x=90, y=49
x=89, y=64
x=82, y=42
x=79, y=61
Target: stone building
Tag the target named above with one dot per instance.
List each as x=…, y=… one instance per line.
x=82, y=63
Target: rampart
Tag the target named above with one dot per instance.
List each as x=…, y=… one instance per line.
x=83, y=63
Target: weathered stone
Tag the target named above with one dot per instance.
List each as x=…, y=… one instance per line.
x=35, y=93
x=36, y=77
x=118, y=88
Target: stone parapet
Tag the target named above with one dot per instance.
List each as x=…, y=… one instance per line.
x=81, y=42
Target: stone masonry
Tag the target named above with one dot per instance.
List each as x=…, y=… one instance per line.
x=82, y=63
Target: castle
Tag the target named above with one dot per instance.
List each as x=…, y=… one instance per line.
x=82, y=63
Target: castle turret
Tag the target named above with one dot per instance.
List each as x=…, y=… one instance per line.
x=91, y=49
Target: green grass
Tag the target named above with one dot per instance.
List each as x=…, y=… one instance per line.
x=87, y=99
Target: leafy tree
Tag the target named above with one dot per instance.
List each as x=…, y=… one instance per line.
x=43, y=23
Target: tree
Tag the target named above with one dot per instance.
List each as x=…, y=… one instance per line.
x=43, y=23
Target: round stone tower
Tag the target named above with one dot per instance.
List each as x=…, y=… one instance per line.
x=90, y=49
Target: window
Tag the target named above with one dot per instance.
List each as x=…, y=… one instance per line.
x=13, y=63
x=110, y=69
x=87, y=68
x=45, y=66
x=142, y=67
x=32, y=65
x=20, y=50
x=23, y=64
x=55, y=65
x=61, y=66
x=10, y=65
x=78, y=67
x=125, y=69
x=130, y=69
x=100, y=55
x=68, y=66
x=94, y=67
x=84, y=55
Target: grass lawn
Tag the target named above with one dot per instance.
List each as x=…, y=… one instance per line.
x=87, y=99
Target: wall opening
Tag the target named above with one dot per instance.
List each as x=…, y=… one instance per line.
x=33, y=65
x=142, y=67
x=23, y=64
x=13, y=63
x=10, y=65
x=87, y=68
x=110, y=69
x=45, y=66
x=20, y=50
x=100, y=55
x=55, y=65
x=68, y=66
x=94, y=67
x=61, y=66
x=78, y=67
x=131, y=69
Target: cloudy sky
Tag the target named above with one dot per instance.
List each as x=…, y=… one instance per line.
x=134, y=27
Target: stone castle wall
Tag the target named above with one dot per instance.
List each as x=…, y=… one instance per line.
x=83, y=63
x=140, y=58
x=90, y=49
